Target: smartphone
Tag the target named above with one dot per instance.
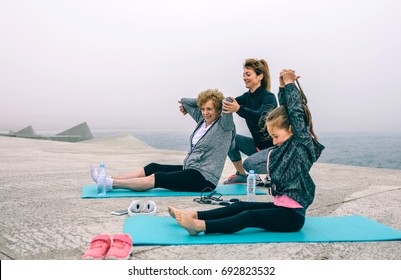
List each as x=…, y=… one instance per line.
x=120, y=212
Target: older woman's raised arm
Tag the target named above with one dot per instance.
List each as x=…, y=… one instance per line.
x=190, y=106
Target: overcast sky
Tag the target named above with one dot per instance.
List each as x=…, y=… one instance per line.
x=123, y=64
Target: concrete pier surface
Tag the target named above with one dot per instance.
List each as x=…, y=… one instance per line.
x=43, y=216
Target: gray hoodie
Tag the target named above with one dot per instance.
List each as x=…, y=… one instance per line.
x=209, y=154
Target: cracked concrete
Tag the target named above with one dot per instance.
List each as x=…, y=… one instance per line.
x=43, y=216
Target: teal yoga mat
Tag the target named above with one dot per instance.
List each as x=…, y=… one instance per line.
x=162, y=230
x=90, y=191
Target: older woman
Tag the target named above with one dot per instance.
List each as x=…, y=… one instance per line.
x=210, y=142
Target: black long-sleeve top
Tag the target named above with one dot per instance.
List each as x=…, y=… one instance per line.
x=253, y=108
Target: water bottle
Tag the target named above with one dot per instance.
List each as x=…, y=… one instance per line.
x=101, y=180
x=251, y=186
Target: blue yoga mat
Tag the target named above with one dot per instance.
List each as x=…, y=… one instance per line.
x=162, y=230
x=90, y=191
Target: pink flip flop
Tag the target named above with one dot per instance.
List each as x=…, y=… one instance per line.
x=121, y=248
x=98, y=247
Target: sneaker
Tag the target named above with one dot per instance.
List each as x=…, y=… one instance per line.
x=259, y=181
x=121, y=248
x=94, y=174
x=236, y=179
x=98, y=248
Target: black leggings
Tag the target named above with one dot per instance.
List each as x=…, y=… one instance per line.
x=240, y=215
x=175, y=178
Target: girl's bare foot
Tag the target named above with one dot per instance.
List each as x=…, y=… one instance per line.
x=173, y=212
x=192, y=225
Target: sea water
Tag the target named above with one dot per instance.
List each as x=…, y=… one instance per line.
x=358, y=149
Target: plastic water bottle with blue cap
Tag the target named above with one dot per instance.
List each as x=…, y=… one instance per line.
x=251, y=186
x=101, y=180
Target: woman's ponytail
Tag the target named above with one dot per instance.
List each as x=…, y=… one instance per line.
x=260, y=67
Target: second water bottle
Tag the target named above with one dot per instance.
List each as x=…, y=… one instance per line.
x=251, y=186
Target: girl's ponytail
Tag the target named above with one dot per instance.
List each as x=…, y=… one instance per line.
x=307, y=113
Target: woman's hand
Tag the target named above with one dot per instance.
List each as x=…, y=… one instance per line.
x=287, y=76
x=230, y=107
x=182, y=109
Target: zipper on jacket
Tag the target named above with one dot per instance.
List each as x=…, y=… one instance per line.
x=192, y=136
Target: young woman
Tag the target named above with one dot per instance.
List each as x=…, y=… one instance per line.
x=253, y=106
x=288, y=164
x=204, y=163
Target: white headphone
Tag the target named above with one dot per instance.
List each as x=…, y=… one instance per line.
x=138, y=207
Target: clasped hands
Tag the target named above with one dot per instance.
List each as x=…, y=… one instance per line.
x=287, y=76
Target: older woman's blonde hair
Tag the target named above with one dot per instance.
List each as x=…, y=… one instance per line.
x=211, y=94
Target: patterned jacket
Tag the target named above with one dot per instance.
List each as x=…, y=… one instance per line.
x=290, y=163
x=209, y=154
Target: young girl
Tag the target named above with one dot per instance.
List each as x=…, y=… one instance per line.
x=288, y=164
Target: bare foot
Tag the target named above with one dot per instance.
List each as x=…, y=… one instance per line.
x=173, y=212
x=193, y=226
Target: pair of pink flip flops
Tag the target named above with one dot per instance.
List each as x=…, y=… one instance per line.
x=118, y=247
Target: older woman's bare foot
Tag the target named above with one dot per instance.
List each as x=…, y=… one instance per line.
x=192, y=225
x=173, y=212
